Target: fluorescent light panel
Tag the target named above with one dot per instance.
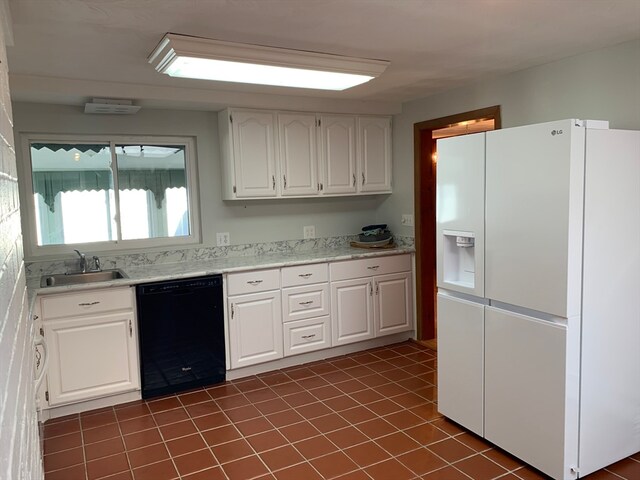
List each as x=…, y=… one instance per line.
x=201, y=58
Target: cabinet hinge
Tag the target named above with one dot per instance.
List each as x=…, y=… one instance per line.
x=46, y=395
x=234, y=189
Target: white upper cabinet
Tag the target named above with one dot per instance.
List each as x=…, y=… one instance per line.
x=338, y=154
x=249, y=162
x=374, y=154
x=298, y=154
x=295, y=154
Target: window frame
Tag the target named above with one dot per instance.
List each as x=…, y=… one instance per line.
x=34, y=250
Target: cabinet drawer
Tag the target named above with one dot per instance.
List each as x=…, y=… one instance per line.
x=305, y=302
x=252, y=282
x=305, y=275
x=86, y=302
x=367, y=267
x=304, y=336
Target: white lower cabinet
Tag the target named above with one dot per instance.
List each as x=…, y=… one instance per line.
x=393, y=304
x=255, y=328
x=461, y=361
x=320, y=305
x=91, y=357
x=351, y=311
x=370, y=298
x=92, y=345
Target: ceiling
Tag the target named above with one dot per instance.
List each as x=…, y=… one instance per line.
x=66, y=51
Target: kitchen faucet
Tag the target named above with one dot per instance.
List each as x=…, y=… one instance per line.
x=83, y=261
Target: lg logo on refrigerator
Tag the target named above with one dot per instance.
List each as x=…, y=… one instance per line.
x=556, y=132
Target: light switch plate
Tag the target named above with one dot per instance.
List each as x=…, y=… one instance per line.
x=309, y=231
x=407, y=220
x=222, y=239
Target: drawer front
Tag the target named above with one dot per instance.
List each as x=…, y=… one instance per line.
x=86, y=302
x=304, y=336
x=253, y=282
x=367, y=267
x=305, y=302
x=305, y=275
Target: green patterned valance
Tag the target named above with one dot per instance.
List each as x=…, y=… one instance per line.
x=50, y=184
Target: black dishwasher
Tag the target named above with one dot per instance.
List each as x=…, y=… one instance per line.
x=181, y=327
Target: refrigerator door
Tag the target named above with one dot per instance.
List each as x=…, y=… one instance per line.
x=461, y=361
x=526, y=410
x=534, y=204
x=460, y=214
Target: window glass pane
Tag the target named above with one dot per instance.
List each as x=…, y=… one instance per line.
x=73, y=193
x=152, y=188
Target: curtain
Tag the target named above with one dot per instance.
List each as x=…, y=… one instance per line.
x=49, y=184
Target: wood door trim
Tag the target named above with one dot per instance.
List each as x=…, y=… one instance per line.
x=425, y=211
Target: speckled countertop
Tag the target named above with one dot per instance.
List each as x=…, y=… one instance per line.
x=169, y=271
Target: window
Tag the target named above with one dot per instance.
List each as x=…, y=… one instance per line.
x=110, y=194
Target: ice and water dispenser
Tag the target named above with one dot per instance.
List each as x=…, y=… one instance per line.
x=459, y=258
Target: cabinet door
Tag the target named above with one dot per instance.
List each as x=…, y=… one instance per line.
x=393, y=307
x=298, y=154
x=461, y=361
x=91, y=357
x=255, y=328
x=338, y=154
x=374, y=154
x=351, y=311
x=254, y=154
x=525, y=378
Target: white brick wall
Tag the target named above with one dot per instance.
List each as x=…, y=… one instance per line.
x=19, y=439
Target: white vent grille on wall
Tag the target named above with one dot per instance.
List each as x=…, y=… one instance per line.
x=111, y=107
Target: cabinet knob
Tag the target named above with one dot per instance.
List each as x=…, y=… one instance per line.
x=362, y=178
x=374, y=267
x=308, y=302
x=284, y=177
x=306, y=337
x=273, y=181
x=254, y=282
x=354, y=179
x=305, y=275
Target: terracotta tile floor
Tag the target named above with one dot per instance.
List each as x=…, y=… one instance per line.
x=369, y=415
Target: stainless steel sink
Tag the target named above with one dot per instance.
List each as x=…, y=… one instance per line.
x=62, y=279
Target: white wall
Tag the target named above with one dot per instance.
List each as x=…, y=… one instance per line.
x=604, y=84
x=246, y=221
x=19, y=444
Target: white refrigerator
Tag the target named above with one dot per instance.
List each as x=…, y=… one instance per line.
x=538, y=264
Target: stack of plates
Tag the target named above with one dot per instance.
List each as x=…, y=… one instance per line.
x=373, y=236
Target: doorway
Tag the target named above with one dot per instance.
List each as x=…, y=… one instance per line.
x=425, y=135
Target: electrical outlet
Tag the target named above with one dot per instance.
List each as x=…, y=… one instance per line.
x=222, y=239
x=309, y=231
x=407, y=220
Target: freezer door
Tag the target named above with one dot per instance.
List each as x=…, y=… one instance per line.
x=461, y=361
x=534, y=204
x=529, y=411
x=460, y=213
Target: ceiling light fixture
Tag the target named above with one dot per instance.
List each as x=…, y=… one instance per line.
x=202, y=58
